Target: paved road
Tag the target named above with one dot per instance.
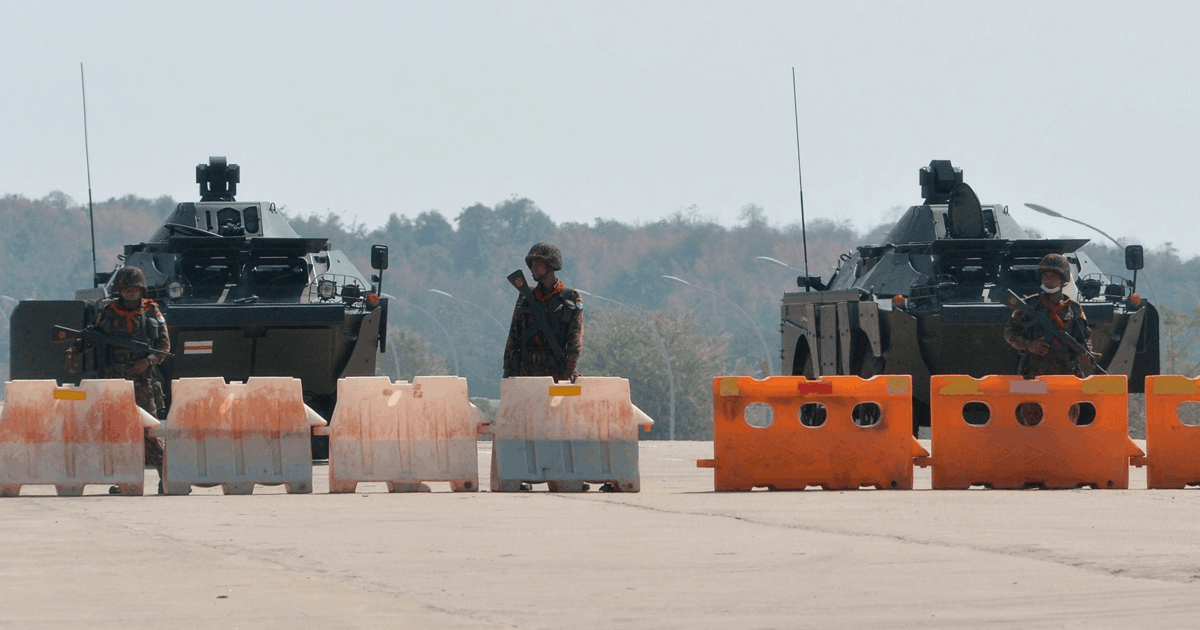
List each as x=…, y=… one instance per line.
x=676, y=555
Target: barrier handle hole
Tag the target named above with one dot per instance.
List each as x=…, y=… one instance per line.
x=976, y=413
x=813, y=414
x=759, y=415
x=1082, y=413
x=1188, y=413
x=1029, y=414
x=867, y=414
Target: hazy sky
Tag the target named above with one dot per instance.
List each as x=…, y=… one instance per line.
x=621, y=110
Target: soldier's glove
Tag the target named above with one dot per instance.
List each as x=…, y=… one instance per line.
x=1038, y=347
x=138, y=368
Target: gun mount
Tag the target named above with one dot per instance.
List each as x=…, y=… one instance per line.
x=243, y=295
x=930, y=299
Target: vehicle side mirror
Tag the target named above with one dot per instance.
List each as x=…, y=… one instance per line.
x=379, y=257
x=1134, y=258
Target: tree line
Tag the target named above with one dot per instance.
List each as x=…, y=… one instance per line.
x=450, y=305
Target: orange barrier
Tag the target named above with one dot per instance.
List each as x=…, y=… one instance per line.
x=864, y=437
x=1172, y=447
x=72, y=436
x=982, y=436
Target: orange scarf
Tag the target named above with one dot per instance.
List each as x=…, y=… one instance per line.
x=131, y=316
x=540, y=295
x=1054, y=309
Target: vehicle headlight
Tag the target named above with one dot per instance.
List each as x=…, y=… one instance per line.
x=326, y=289
x=175, y=290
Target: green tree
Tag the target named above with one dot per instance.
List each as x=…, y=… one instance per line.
x=408, y=356
x=522, y=222
x=476, y=238
x=620, y=342
x=434, y=229
x=1180, y=333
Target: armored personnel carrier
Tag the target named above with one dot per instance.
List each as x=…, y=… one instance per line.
x=242, y=293
x=929, y=299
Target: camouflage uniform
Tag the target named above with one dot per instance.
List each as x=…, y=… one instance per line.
x=147, y=324
x=1020, y=331
x=527, y=353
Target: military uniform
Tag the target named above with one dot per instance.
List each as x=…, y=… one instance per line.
x=1021, y=332
x=527, y=352
x=144, y=323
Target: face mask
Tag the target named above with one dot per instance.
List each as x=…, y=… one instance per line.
x=1049, y=290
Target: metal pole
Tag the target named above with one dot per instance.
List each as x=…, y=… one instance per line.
x=487, y=312
x=800, y=174
x=1050, y=213
x=776, y=261
x=766, y=350
x=437, y=321
x=88, y=158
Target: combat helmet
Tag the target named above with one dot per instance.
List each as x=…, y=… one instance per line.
x=129, y=277
x=546, y=253
x=1056, y=263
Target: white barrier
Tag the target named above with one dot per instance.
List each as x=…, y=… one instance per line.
x=565, y=434
x=403, y=433
x=72, y=436
x=238, y=434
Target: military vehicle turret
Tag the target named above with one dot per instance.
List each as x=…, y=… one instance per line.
x=242, y=293
x=929, y=299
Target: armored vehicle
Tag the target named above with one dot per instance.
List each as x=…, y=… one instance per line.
x=929, y=300
x=242, y=293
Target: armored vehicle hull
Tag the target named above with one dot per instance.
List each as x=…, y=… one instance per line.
x=243, y=295
x=929, y=300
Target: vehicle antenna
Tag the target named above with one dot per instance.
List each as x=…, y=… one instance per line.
x=88, y=158
x=800, y=175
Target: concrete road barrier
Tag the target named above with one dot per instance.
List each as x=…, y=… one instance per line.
x=237, y=435
x=565, y=435
x=70, y=437
x=403, y=433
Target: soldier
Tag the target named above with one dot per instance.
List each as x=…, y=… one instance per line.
x=527, y=352
x=1039, y=357
x=135, y=316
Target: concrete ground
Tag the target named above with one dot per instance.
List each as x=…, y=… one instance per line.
x=677, y=555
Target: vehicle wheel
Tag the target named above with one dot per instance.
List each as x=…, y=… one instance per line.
x=801, y=365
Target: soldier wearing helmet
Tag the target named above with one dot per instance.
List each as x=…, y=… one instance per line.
x=527, y=353
x=131, y=314
x=1039, y=357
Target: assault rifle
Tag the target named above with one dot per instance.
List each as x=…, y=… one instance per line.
x=517, y=279
x=1014, y=301
x=62, y=333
